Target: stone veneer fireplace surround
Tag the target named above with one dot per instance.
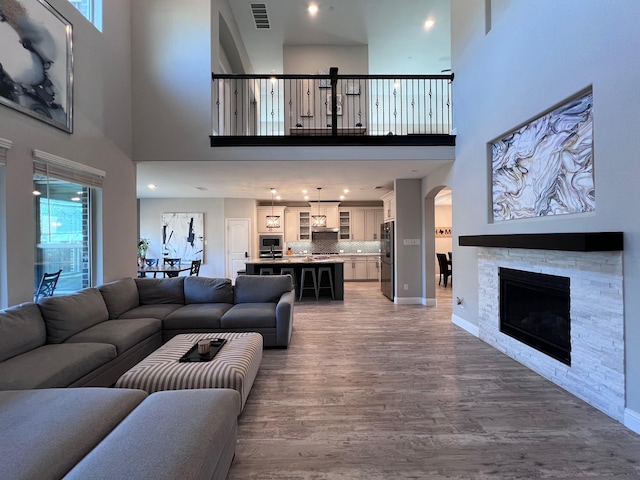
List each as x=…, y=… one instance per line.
x=596, y=374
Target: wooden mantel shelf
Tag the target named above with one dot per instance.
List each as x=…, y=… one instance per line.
x=569, y=242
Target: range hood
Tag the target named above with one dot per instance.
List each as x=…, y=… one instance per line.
x=324, y=233
x=324, y=230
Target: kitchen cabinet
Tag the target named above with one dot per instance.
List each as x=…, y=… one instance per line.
x=357, y=224
x=261, y=217
x=345, y=224
x=389, y=206
x=361, y=267
x=363, y=223
x=297, y=224
x=373, y=267
x=373, y=219
x=329, y=209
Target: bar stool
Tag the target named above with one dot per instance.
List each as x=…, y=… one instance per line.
x=266, y=271
x=292, y=272
x=312, y=273
x=326, y=270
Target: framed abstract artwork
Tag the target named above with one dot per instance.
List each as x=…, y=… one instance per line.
x=36, y=62
x=545, y=167
x=183, y=236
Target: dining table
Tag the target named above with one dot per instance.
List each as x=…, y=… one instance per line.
x=166, y=270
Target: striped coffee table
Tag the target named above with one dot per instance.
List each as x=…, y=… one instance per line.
x=235, y=365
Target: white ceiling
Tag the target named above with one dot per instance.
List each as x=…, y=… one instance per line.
x=397, y=42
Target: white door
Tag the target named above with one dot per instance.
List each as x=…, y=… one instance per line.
x=238, y=245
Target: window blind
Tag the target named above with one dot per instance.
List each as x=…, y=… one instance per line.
x=5, y=145
x=57, y=167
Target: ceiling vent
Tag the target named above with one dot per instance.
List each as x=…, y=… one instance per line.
x=260, y=17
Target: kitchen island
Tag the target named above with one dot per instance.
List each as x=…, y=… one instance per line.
x=298, y=263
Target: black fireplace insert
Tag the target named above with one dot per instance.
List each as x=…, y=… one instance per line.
x=535, y=309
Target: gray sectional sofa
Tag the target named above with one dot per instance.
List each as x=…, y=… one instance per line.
x=104, y=433
x=90, y=338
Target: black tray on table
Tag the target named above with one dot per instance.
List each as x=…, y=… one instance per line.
x=193, y=356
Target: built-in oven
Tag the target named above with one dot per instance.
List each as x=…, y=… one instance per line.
x=271, y=246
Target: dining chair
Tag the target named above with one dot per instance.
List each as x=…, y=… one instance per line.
x=47, y=285
x=445, y=269
x=195, y=268
x=150, y=262
x=171, y=262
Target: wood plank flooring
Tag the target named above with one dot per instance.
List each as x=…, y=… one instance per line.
x=372, y=390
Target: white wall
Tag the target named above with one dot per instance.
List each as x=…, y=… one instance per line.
x=443, y=219
x=536, y=55
x=215, y=211
x=101, y=139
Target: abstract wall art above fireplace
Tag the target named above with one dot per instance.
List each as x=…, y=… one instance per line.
x=546, y=167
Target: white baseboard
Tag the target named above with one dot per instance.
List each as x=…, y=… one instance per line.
x=632, y=420
x=464, y=324
x=408, y=301
x=429, y=302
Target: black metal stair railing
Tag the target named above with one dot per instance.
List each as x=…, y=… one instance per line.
x=331, y=105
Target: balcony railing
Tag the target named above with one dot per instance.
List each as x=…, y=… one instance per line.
x=331, y=109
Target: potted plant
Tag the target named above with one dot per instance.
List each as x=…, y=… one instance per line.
x=143, y=246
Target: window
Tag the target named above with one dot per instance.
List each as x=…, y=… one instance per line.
x=64, y=194
x=91, y=9
x=5, y=145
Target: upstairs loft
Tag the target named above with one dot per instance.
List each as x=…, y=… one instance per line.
x=332, y=110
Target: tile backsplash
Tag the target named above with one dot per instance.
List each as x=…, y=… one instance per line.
x=334, y=246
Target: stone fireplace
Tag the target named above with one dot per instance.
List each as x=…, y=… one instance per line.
x=596, y=372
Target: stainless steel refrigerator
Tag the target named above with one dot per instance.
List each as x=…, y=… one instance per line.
x=387, y=268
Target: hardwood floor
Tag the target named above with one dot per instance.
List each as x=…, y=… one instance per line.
x=372, y=390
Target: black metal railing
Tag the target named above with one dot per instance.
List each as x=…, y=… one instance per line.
x=331, y=105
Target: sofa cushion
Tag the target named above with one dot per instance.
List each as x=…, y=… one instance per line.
x=159, y=311
x=196, y=316
x=173, y=434
x=153, y=291
x=250, y=315
x=54, y=365
x=66, y=315
x=120, y=296
x=124, y=334
x=261, y=288
x=207, y=290
x=22, y=329
x=47, y=432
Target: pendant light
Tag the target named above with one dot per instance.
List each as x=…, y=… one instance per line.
x=319, y=220
x=273, y=221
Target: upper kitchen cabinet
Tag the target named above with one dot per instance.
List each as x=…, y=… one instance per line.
x=329, y=209
x=360, y=223
x=389, y=206
x=262, y=212
x=297, y=224
x=373, y=218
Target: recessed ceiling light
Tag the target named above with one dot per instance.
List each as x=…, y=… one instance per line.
x=346, y=190
x=306, y=197
x=304, y=191
x=428, y=23
x=75, y=199
x=313, y=9
x=342, y=197
x=36, y=193
x=151, y=186
x=278, y=197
